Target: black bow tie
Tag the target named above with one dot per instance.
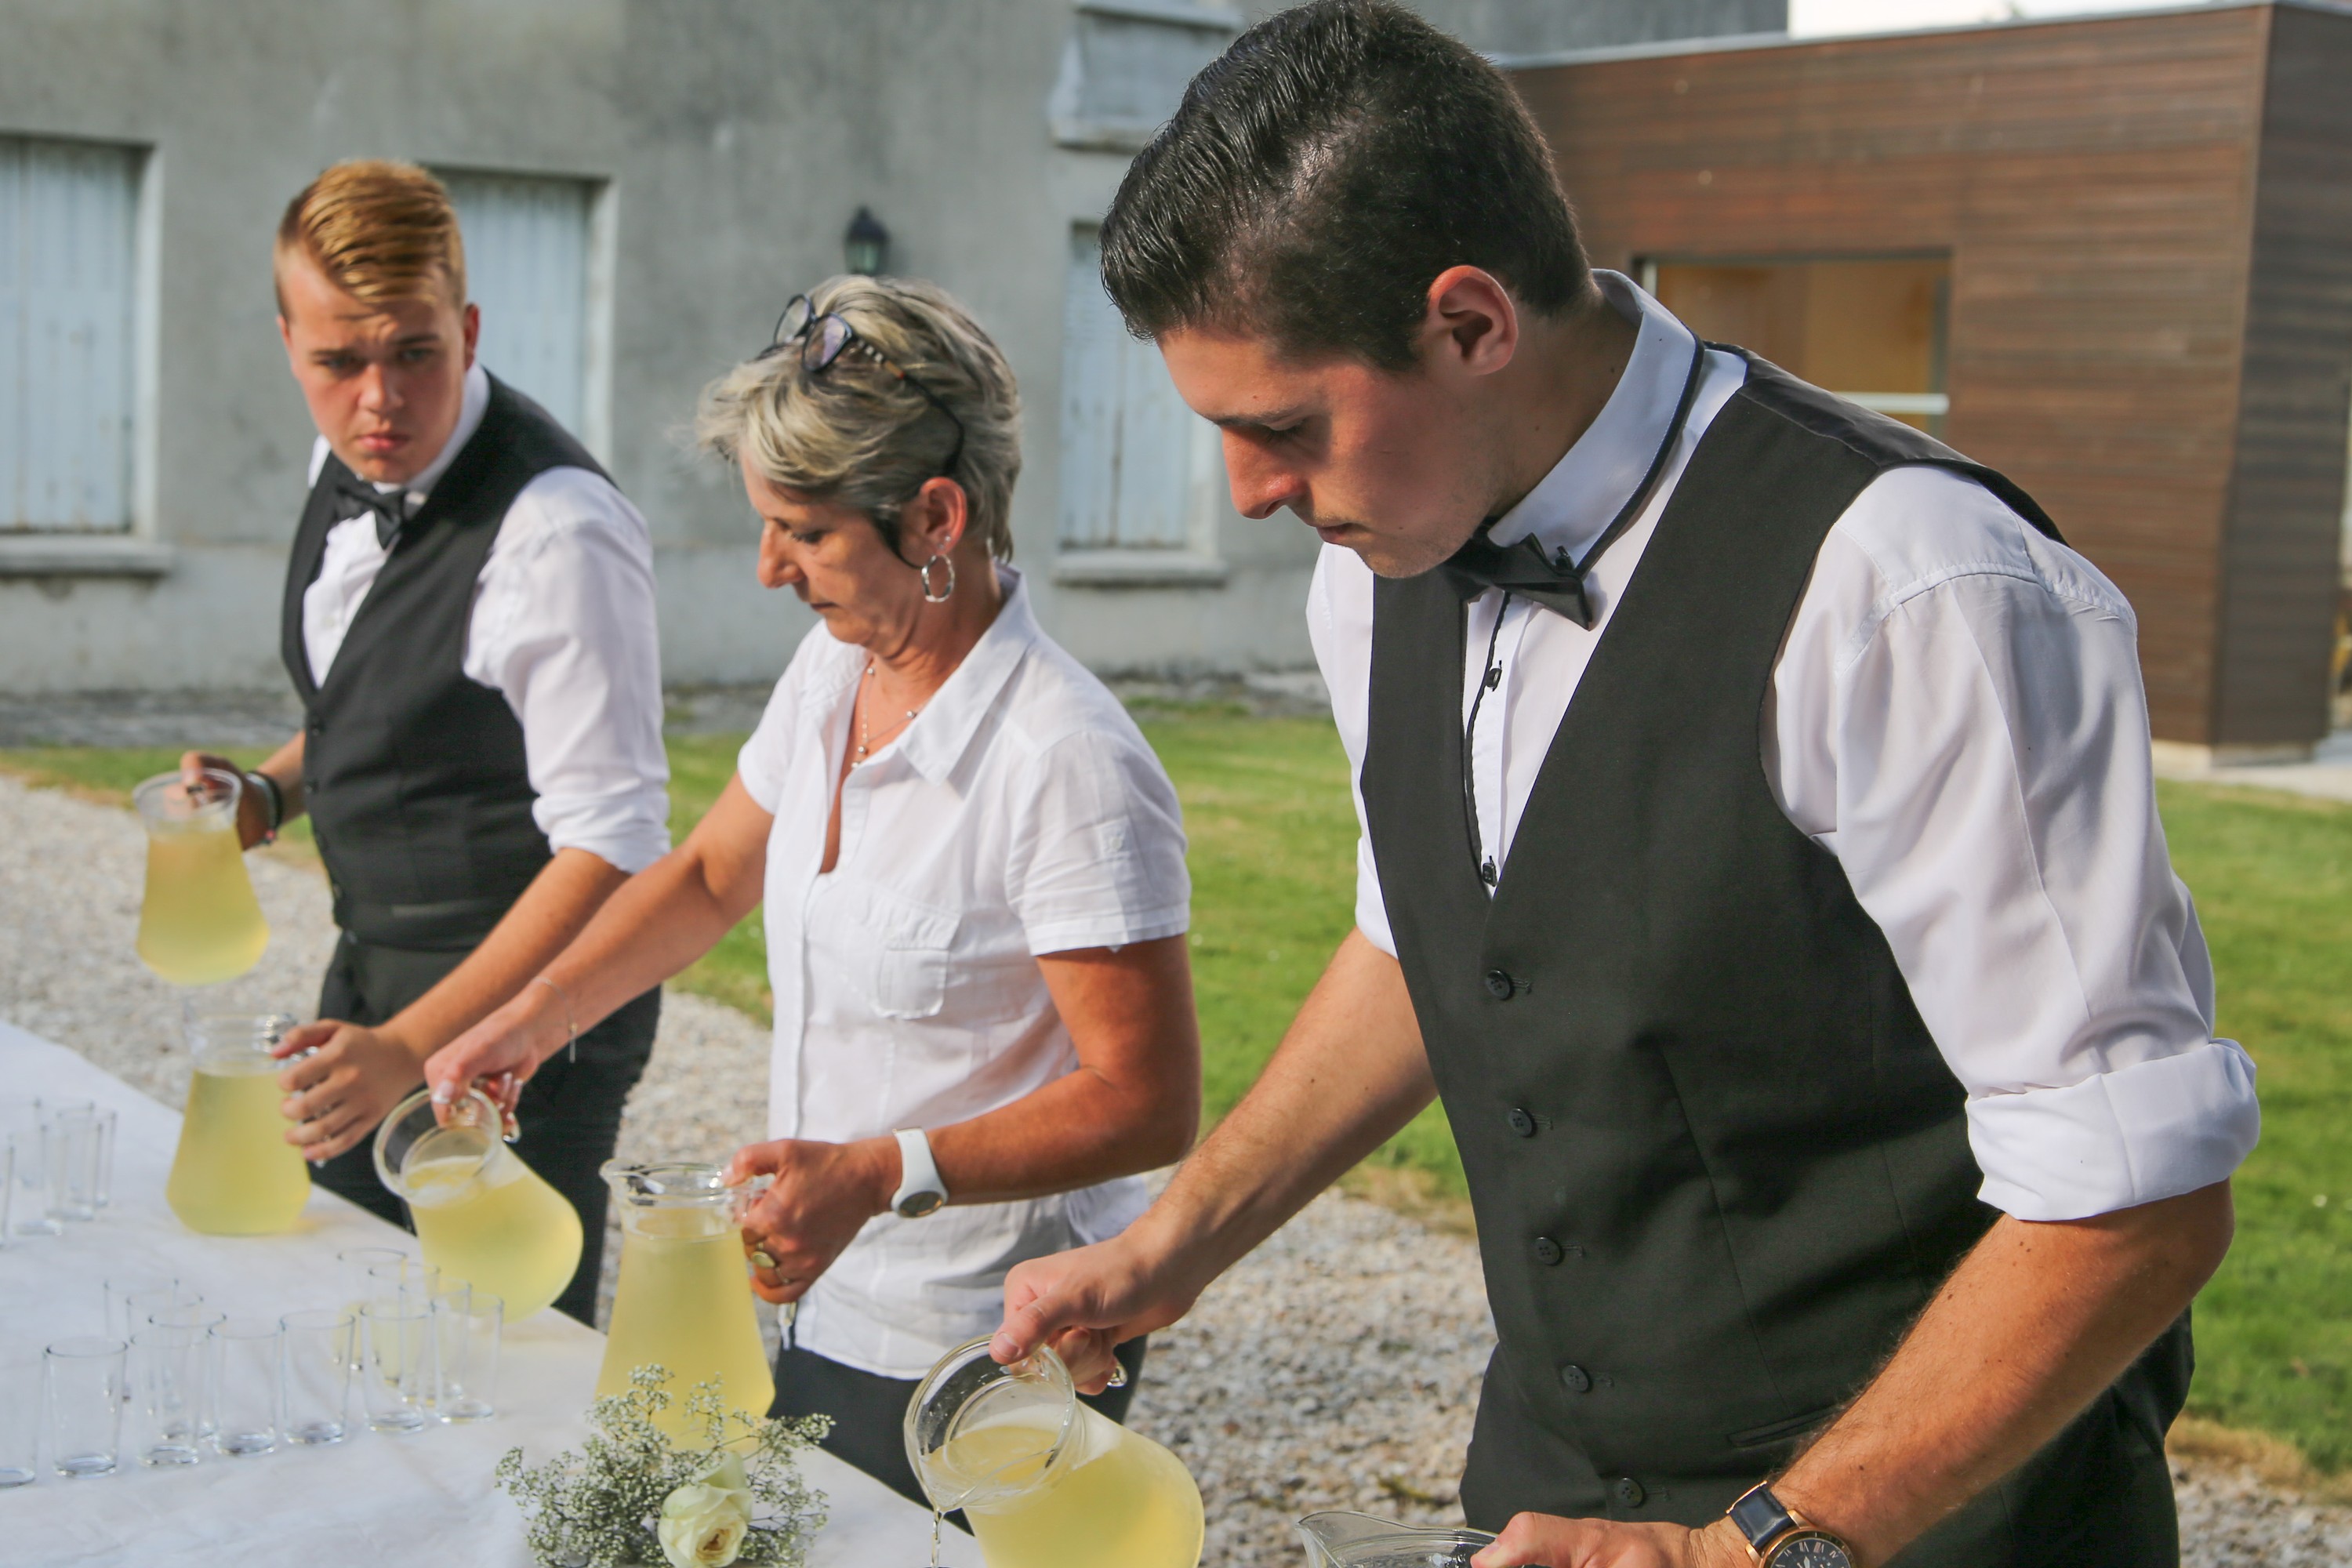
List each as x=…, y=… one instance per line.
x=1554, y=582
x=391, y=508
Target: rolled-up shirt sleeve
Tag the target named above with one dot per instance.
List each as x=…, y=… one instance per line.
x=563, y=625
x=1989, y=798
x=1097, y=858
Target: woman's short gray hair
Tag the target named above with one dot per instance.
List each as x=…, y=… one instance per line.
x=856, y=436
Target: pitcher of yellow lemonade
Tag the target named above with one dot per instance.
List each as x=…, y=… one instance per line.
x=684, y=1295
x=1044, y=1480
x=199, y=923
x=483, y=1217
x=234, y=1173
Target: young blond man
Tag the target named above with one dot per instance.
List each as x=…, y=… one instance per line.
x=469, y=619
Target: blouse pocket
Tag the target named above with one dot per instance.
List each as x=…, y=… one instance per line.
x=901, y=948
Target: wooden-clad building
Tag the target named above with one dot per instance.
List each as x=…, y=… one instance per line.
x=2111, y=257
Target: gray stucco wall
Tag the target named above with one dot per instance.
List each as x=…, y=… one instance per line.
x=736, y=138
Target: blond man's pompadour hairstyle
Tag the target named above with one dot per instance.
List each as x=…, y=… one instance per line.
x=378, y=230
x=856, y=436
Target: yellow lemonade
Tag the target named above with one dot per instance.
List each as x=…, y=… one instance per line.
x=685, y=1301
x=490, y=1223
x=200, y=922
x=1115, y=1498
x=234, y=1173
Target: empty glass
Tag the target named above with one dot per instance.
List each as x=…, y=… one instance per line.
x=396, y=1375
x=318, y=1374
x=73, y=1144
x=245, y=1386
x=182, y=1307
x=29, y=1202
x=120, y=1288
x=406, y=1280
x=20, y=1421
x=87, y=1391
x=465, y=1354
x=169, y=1387
x=159, y=1303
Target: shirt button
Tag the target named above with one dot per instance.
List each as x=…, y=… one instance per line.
x=1521, y=1123
x=1493, y=676
x=1628, y=1491
x=1499, y=985
x=1547, y=1251
x=1575, y=1379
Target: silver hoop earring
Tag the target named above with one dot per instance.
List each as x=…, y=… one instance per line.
x=944, y=595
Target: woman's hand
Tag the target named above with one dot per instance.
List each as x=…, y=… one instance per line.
x=503, y=1051
x=822, y=1196
x=350, y=1078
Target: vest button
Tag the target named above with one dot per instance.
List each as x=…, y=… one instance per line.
x=1547, y=1251
x=1576, y=1379
x=1521, y=1123
x=1628, y=1491
x=1499, y=985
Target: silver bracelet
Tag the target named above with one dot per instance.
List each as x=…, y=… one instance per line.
x=571, y=1031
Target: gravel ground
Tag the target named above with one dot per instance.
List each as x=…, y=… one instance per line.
x=1337, y=1367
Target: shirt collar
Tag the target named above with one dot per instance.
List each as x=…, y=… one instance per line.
x=470, y=409
x=1575, y=503
x=943, y=730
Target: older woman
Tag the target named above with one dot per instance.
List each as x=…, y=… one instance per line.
x=973, y=868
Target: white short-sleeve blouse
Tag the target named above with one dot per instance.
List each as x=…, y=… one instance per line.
x=1021, y=813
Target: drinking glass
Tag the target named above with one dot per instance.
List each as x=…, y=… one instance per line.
x=318, y=1374
x=87, y=1383
x=74, y=1143
x=397, y=1362
x=246, y=1393
x=20, y=1421
x=410, y=1281
x=465, y=1354
x=169, y=1385
x=122, y=1288
x=29, y=1204
x=183, y=1309
x=356, y=1261
x=156, y=1304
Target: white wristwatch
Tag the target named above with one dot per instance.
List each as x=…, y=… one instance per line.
x=920, y=1191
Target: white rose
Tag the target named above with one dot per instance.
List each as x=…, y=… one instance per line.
x=703, y=1526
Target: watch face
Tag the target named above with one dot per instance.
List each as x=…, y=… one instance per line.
x=917, y=1204
x=1809, y=1550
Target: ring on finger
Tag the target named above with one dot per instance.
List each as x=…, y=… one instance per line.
x=1117, y=1377
x=760, y=1259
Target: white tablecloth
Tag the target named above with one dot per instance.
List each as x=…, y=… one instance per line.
x=424, y=1499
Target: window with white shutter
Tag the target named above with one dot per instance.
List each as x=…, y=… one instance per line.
x=69, y=284
x=527, y=265
x=1130, y=448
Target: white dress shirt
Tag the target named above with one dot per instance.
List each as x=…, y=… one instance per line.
x=1957, y=715
x=1020, y=814
x=562, y=628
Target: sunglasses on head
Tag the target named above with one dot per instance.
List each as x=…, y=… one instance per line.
x=823, y=339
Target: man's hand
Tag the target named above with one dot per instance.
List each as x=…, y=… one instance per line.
x=1088, y=1301
x=351, y=1079
x=1540, y=1540
x=822, y=1196
x=252, y=811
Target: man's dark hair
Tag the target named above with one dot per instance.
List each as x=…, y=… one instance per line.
x=1320, y=172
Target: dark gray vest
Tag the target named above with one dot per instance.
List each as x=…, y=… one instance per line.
x=413, y=774
x=1718, y=1164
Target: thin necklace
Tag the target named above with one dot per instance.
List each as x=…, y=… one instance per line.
x=865, y=736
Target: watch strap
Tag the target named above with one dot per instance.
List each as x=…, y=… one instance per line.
x=920, y=1190
x=1766, y=1521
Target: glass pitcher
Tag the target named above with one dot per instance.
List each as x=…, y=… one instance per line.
x=685, y=1296
x=483, y=1217
x=1047, y=1481
x=234, y=1173
x=1359, y=1540
x=199, y=923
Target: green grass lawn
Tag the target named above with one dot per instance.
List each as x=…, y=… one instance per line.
x=1266, y=806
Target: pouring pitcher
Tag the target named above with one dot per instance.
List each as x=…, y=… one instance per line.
x=1359, y=1540
x=685, y=1296
x=483, y=1217
x=233, y=1174
x=199, y=923
x=1047, y=1481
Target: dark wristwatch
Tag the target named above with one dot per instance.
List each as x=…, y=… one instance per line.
x=1779, y=1537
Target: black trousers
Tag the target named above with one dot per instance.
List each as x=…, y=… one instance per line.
x=868, y=1410
x=569, y=1113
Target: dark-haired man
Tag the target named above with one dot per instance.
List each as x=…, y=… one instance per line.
x=1759, y=858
